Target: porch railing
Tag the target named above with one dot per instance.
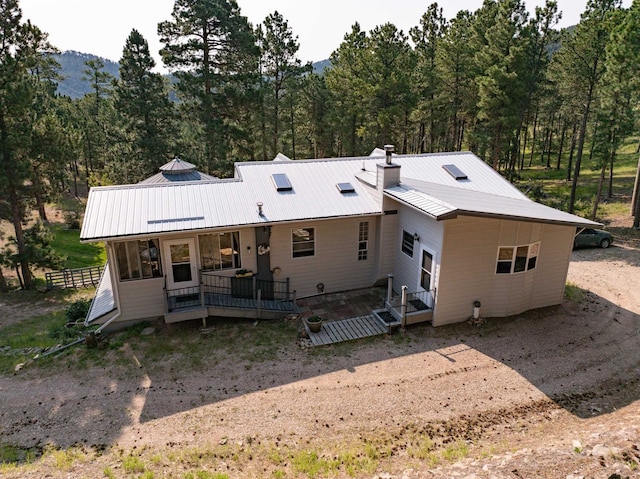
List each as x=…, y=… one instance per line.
x=246, y=287
x=237, y=292
x=419, y=301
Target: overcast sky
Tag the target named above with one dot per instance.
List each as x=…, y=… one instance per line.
x=101, y=27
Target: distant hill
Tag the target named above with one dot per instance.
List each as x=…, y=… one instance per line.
x=72, y=69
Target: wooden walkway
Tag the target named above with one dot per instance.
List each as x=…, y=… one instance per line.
x=347, y=330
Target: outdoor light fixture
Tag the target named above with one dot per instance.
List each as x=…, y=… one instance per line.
x=416, y=237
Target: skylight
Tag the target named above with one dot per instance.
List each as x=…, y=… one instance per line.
x=281, y=182
x=345, y=188
x=456, y=172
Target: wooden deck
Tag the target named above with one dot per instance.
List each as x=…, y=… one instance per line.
x=347, y=330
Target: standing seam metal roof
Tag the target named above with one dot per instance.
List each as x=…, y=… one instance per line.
x=143, y=209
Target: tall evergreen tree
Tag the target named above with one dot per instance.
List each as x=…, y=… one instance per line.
x=280, y=68
x=427, y=37
x=579, y=67
x=210, y=48
x=142, y=99
x=500, y=63
x=455, y=60
x=23, y=50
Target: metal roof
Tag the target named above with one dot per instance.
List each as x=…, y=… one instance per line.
x=444, y=202
x=103, y=302
x=143, y=209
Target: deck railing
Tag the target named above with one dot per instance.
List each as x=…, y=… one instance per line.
x=245, y=287
x=238, y=292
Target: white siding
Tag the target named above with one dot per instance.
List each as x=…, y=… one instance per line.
x=431, y=235
x=335, y=263
x=141, y=299
x=469, y=264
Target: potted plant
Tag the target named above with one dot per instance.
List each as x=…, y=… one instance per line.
x=314, y=323
x=244, y=273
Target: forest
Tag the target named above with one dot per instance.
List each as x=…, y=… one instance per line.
x=502, y=82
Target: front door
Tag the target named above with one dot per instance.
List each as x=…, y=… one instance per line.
x=181, y=271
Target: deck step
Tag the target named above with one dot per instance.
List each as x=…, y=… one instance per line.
x=347, y=330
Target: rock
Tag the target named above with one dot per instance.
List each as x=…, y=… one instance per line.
x=576, y=445
x=18, y=367
x=601, y=450
x=148, y=331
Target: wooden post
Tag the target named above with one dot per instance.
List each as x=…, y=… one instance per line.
x=403, y=308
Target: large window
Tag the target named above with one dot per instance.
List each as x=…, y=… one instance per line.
x=517, y=259
x=407, y=243
x=220, y=251
x=303, y=241
x=363, y=241
x=138, y=259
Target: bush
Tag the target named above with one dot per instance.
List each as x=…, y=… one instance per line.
x=78, y=310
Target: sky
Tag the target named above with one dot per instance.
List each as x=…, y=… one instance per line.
x=101, y=27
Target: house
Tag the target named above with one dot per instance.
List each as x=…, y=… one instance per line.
x=445, y=231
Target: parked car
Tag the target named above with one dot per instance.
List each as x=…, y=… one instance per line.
x=592, y=237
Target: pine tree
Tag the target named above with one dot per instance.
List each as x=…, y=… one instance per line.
x=578, y=68
x=142, y=99
x=280, y=68
x=23, y=50
x=211, y=50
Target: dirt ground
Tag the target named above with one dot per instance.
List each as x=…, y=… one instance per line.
x=553, y=393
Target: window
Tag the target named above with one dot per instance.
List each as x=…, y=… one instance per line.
x=303, y=242
x=363, y=241
x=425, y=270
x=517, y=259
x=220, y=251
x=407, y=243
x=138, y=259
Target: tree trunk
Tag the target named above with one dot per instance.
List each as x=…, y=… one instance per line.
x=16, y=217
x=572, y=149
x=581, y=140
x=564, y=133
x=635, y=199
x=610, y=185
x=596, y=201
x=533, y=138
x=4, y=287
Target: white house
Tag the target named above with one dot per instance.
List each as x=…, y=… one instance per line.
x=446, y=226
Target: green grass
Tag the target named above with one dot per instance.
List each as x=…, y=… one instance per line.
x=79, y=255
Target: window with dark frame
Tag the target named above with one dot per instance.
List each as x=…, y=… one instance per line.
x=138, y=259
x=517, y=259
x=407, y=243
x=426, y=269
x=220, y=251
x=303, y=242
x=363, y=241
